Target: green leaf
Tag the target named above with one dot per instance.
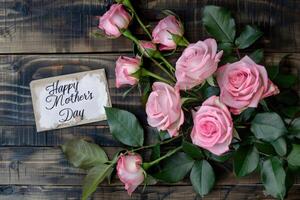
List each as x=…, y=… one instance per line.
x=155, y=154
x=228, y=59
x=84, y=154
x=226, y=47
x=294, y=128
x=246, y=115
x=211, y=91
x=291, y=112
x=257, y=55
x=272, y=71
x=268, y=126
x=94, y=177
x=164, y=135
x=192, y=150
x=248, y=37
x=280, y=146
x=286, y=80
x=287, y=97
x=210, y=80
x=245, y=161
x=293, y=158
x=175, y=168
x=125, y=127
x=219, y=23
x=202, y=177
x=264, y=105
x=144, y=87
x=290, y=179
x=149, y=180
x=273, y=177
x=222, y=158
x=264, y=147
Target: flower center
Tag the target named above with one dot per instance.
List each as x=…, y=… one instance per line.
x=237, y=78
x=207, y=128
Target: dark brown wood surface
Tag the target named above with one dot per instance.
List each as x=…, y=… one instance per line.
x=44, y=38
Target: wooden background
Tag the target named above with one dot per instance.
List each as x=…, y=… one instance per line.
x=44, y=38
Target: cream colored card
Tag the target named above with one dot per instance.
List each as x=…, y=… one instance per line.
x=70, y=100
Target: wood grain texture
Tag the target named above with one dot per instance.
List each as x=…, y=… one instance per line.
x=16, y=72
x=26, y=136
x=39, y=26
x=11, y=192
x=40, y=39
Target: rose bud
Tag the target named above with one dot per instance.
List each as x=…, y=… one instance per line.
x=115, y=19
x=197, y=62
x=147, y=48
x=162, y=33
x=125, y=68
x=163, y=108
x=130, y=172
x=213, y=126
x=243, y=84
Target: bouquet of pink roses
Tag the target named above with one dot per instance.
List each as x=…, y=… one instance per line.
x=211, y=106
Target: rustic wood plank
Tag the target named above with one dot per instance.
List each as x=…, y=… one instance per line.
x=27, y=136
x=47, y=166
x=11, y=192
x=13, y=136
x=16, y=72
x=65, y=26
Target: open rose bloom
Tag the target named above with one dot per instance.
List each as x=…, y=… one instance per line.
x=197, y=62
x=243, y=84
x=163, y=108
x=115, y=19
x=213, y=126
x=130, y=172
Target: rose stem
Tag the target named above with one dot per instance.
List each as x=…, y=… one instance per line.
x=148, y=165
x=128, y=34
x=185, y=42
x=129, y=5
x=160, y=143
x=162, y=68
x=238, y=53
x=167, y=63
x=148, y=73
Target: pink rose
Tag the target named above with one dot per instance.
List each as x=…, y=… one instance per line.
x=130, y=172
x=125, y=66
x=162, y=33
x=114, y=19
x=163, y=108
x=197, y=62
x=147, y=47
x=243, y=84
x=213, y=126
